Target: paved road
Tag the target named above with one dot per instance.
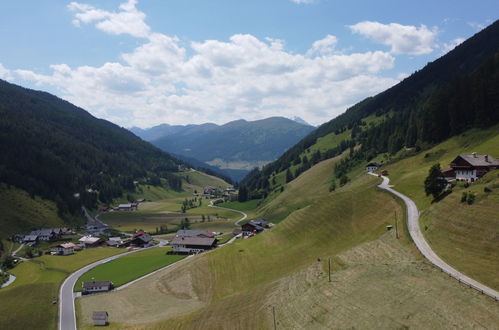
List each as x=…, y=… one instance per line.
x=67, y=315
x=18, y=249
x=237, y=223
x=425, y=249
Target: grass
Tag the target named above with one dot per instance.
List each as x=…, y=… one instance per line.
x=465, y=236
x=21, y=213
x=129, y=268
x=37, y=286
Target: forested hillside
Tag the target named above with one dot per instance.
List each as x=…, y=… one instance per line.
x=233, y=148
x=55, y=150
x=448, y=96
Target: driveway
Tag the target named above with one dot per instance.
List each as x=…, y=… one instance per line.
x=424, y=247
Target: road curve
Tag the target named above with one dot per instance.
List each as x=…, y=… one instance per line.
x=237, y=223
x=424, y=247
x=67, y=314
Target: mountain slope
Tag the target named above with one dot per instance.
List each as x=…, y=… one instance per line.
x=54, y=149
x=237, y=145
x=448, y=96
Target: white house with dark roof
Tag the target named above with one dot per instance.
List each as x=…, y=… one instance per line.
x=96, y=286
x=192, y=244
x=372, y=167
x=100, y=318
x=472, y=167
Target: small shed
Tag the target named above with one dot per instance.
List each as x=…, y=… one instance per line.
x=97, y=286
x=100, y=318
x=372, y=167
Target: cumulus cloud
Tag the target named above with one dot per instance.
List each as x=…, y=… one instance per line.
x=324, y=46
x=5, y=73
x=128, y=20
x=166, y=80
x=402, y=39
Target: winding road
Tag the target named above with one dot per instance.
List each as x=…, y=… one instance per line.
x=237, y=223
x=424, y=247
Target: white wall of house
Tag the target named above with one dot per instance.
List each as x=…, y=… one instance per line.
x=371, y=168
x=466, y=175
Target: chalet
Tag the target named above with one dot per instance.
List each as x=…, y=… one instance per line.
x=128, y=207
x=192, y=245
x=192, y=233
x=96, y=286
x=141, y=200
x=100, y=318
x=261, y=223
x=372, y=167
x=472, y=167
x=251, y=228
x=64, y=249
x=90, y=241
x=449, y=174
x=140, y=239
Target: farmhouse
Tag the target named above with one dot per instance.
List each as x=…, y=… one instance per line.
x=372, y=167
x=472, y=167
x=100, y=318
x=64, y=249
x=97, y=286
x=255, y=226
x=90, y=241
x=128, y=207
x=47, y=234
x=193, y=244
x=139, y=239
x=30, y=239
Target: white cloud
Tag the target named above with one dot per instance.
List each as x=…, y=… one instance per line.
x=478, y=26
x=402, y=39
x=5, y=73
x=219, y=81
x=448, y=46
x=324, y=46
x=128, y=20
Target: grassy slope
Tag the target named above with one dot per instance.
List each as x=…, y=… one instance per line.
x=463, y=235
x=21, y=213
x=128, y=268
x=27, y=303
x=241, y=274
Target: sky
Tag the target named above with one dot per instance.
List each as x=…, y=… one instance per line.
x=148, y=62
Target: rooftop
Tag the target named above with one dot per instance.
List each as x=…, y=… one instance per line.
x=193, y=240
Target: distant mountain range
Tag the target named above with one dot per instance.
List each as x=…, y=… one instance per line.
x=233, y=148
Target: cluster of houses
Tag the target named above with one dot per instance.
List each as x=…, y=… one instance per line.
x=45, y=235
x=464, y=167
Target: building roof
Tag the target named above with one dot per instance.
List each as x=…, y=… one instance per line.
x=30, y=237
x=254, y=225
x=43, y=232
x=259, y=223
x=93, y=284
x=125, y=205
x=101, y=316
x=67, y=245
x=89, y=239
x=479, y=160
x=189, y=233
x=117, y=239
x=146, y=238
x=137, y=234
x=193, y=240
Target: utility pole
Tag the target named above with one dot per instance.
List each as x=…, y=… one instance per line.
x=273, y=314
x=396, y=227
x=329, y=267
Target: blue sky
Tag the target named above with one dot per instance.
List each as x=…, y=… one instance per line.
x=148, y=62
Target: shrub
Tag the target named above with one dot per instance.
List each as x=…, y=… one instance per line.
x=487, y=189
x=464, y=196
x=471, y=198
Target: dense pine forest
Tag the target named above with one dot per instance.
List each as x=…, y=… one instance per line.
x=457, y=92
x=56, y=150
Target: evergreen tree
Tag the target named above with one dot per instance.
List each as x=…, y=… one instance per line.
x=434, y=183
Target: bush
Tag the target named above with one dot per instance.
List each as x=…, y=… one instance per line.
x=487, y=189
x=471, y=198
x=464, y=196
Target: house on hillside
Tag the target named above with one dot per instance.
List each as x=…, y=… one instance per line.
x=96, y=286
x=255, y=226
x=472, y=167
x=100, y=318
x=372, y=167
x=139, y=239
x=128, y=207
x=30, y=239
x=64, y=249
x=192, y=245
x=90, y=241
